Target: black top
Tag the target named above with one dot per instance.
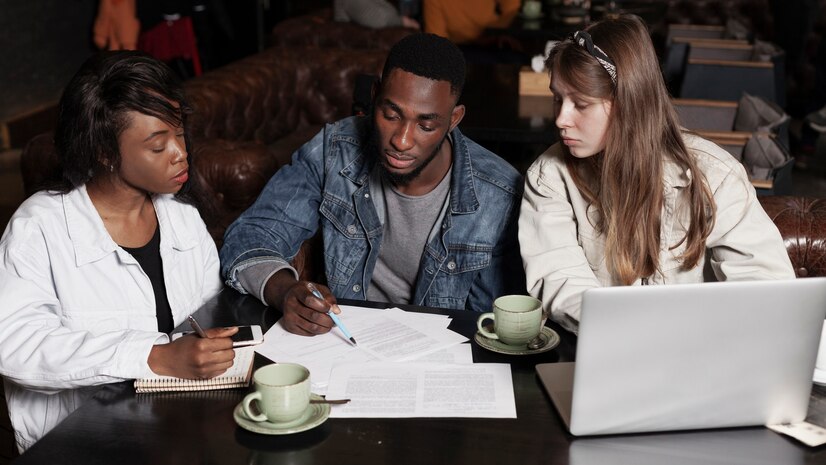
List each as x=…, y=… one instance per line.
x=149, y=258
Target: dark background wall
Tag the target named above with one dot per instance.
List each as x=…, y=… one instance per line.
x=42, y=43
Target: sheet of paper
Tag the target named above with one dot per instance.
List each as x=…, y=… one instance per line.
x=807, y=433
x=382, y=335
x=460, y=353
x=392, y=338
x=405, y=390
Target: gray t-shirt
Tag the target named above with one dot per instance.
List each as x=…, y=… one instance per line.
x=408, y=223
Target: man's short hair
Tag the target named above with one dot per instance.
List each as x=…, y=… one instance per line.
x=429, y=56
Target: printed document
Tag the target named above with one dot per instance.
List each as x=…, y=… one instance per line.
x=404, y=390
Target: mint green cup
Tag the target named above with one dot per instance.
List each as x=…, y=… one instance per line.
x=282, y=392
x=517, y=319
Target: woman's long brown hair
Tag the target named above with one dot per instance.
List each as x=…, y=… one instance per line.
x=625, y=182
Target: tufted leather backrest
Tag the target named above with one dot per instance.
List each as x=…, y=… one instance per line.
x=38, y=163
x=802, y=223
x=271, y=94
x=319, y=30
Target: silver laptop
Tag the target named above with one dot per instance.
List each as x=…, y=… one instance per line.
x=689, y=356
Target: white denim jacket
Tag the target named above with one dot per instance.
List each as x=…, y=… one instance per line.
x=78, y=311
x=564, y=255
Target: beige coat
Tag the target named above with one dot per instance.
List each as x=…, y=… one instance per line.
x=564, y=255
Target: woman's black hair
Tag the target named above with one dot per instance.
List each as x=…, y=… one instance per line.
x=92, y=112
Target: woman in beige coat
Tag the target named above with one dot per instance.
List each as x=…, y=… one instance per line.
x=627, y=196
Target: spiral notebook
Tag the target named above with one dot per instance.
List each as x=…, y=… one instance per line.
x=237, y=376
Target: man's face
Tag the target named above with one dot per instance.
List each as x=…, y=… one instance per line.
x=412, y=118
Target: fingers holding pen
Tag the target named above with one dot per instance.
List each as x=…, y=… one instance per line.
x=304, y=313
x=323, y=294
x=334, y=309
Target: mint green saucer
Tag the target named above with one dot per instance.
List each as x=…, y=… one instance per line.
x=315, y=415
x=550, y=336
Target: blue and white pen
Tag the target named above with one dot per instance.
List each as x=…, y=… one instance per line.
x=332, y=315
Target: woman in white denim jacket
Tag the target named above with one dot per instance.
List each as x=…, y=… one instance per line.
x=628, y=197
x=95, y=271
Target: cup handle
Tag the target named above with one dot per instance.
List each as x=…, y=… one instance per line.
x=482, y=330
x=246, y=406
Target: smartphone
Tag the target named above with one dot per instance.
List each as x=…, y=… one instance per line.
x=246, y=336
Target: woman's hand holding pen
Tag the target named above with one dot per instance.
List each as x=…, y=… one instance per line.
x=304, y=313
x=194, y=357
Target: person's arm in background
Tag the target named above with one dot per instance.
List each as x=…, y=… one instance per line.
x=374, y=14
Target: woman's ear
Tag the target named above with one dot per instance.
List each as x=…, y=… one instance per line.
x=106, y=163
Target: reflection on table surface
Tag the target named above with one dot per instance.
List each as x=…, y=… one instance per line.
x=118, y=426
x=752, y=446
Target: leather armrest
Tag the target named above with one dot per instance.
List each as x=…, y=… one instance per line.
x=802, y=223
x=38, y=164
x=230, y=175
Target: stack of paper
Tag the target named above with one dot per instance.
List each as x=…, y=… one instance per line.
x=390, y=335
x=440, y=383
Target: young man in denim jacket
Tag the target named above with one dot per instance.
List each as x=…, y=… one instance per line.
x=410, y=210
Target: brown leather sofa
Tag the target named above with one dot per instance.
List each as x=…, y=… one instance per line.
x=248, y=118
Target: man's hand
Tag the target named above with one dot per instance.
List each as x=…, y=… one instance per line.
x=194, y=357
x=304, y=313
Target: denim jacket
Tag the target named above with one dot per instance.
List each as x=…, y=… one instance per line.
x=474, y=258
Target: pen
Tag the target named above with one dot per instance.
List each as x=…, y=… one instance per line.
x=332, y=315
x=197, y=327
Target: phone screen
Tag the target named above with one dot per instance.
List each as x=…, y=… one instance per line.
x=244, y=334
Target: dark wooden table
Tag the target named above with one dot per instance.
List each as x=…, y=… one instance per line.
x=119, y=427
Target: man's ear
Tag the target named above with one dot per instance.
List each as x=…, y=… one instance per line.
x=364, y=93
x=456, y=116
